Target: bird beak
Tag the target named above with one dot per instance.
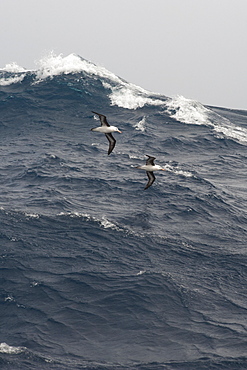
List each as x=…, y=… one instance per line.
x=163, y=169
x=119, y=131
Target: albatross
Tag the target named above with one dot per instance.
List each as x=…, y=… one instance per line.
x=106, y=129
x=149, y=167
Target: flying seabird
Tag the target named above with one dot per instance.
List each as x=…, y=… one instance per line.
x=149, y=167
x=106, y=129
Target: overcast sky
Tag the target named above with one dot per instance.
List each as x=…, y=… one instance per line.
x=194, y=48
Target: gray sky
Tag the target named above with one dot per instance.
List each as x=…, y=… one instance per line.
x=194, y=48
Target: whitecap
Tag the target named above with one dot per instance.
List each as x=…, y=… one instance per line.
x=188, y=111
x=108, y=224
x=130, y=96
x=14, y=68
x=54, y=65
x=76, y=214
x=134, y=156
x=141, y=272
x=192, y=112
x=178, y=171
x=5, y=348
x=6, y=81
x=141, y=124
x=123, y=94
x=233, y=132
x=102, y=221
x=9, y=298
x=32, y=215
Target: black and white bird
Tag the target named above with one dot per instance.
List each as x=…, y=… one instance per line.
x=149, y=167
x=106, y=129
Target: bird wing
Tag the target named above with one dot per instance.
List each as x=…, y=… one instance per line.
x=151, y=179
x=150, y=160
x=112, y=142
x=102, y=118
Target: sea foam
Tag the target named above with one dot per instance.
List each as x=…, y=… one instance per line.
x=192, y=112
x=123, y=94
x=5, y=348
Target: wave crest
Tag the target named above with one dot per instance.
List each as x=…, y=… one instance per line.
x=103, y=221
x=54, y=65
x=192, y=112
x=11, y=350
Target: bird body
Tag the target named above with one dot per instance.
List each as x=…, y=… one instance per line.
x=106, y=129
x=150, y=168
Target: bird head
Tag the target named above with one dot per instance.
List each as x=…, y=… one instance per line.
x=116, y=129
x=160, y=168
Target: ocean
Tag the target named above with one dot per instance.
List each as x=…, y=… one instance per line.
x=96, y=272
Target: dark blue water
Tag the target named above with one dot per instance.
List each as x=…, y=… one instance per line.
x=97, y=273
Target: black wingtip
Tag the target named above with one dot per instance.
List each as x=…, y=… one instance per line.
x=98, y=114
x=110, y=150
x=147, y=186
x=112, y=142
x=151, y=179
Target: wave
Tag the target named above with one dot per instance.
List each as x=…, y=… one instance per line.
x=124, y=94
x=103, y=221
x=130, y=96
x=12, y=74
x=192, y=112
